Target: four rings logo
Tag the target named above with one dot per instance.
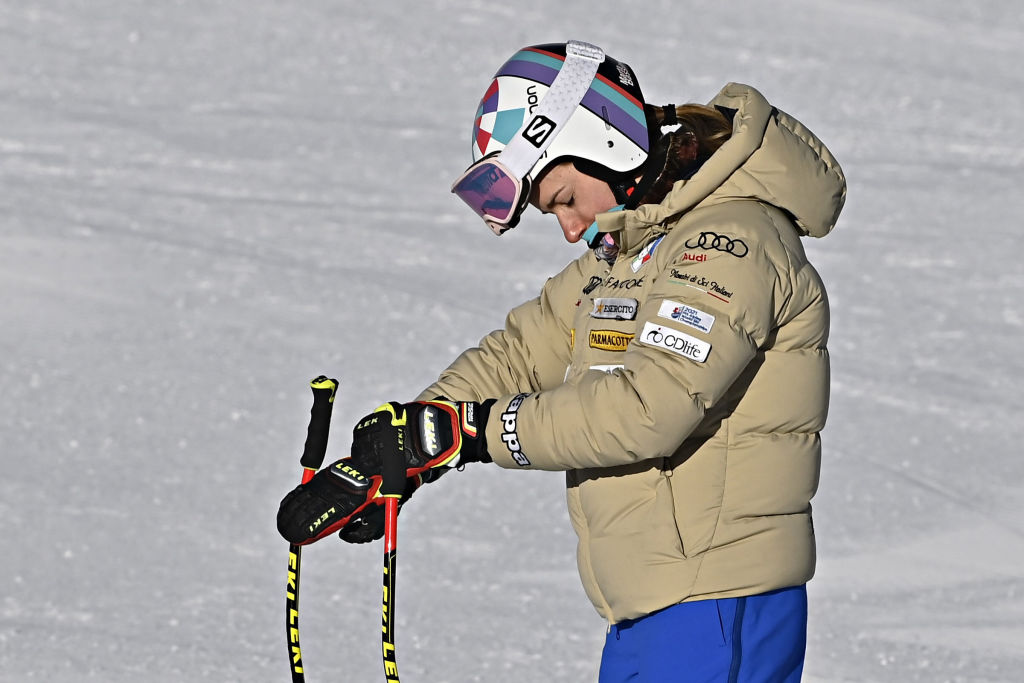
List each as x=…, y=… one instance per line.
x=538, y=130
x=710, y=240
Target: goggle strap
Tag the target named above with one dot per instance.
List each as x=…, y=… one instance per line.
x=558, y=104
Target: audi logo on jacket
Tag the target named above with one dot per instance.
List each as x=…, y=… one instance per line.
x=688, y=426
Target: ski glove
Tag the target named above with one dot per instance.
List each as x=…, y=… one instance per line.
x=430, y=435
x=433, y=437
x=340, y=498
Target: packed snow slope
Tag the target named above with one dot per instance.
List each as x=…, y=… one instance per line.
x=205, y=204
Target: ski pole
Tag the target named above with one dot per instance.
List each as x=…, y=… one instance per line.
x=312, y=457
x=391, y=487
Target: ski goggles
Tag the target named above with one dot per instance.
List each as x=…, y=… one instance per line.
x=494, y=193
x=497, y=187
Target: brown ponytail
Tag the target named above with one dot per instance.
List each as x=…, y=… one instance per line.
x=708, y=125
x=679, y=153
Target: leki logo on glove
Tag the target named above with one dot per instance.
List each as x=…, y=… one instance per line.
x=510, y=432
x=428, y=427
x=349, y=474
x=317, y=523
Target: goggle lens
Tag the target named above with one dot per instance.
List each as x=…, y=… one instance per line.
x=492, y=193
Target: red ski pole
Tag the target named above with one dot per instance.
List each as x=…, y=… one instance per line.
x=391, y=487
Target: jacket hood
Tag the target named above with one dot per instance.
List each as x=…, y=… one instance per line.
x=770, y=157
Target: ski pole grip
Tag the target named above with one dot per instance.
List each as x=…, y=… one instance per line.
x=392, y=474
x=315, y=448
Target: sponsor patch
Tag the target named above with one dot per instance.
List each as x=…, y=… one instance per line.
x=675, y=341
x=510, y=430
x=609, y=340
x=687, y=315
x=614, y=309
x=700, y=283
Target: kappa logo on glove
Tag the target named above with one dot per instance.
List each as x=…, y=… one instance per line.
x=510, y=430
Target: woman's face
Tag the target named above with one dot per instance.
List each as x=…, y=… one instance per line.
x=575, y=198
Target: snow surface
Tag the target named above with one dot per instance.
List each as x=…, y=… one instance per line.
x=206, y=204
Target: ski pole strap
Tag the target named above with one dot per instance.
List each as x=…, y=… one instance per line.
x=319, y=422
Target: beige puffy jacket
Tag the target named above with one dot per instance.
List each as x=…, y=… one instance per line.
x=682, y=388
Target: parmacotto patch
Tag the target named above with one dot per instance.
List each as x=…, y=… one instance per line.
x=610, y=340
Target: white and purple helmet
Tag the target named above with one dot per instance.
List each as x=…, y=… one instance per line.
x=608, y=127
x=547, y=103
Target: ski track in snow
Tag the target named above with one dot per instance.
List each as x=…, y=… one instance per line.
x=206, y=204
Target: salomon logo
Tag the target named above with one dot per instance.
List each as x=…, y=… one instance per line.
x=538, y=130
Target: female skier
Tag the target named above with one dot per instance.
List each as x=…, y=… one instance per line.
x=677, y=371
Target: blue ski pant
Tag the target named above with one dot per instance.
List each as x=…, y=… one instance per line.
x=753, y=639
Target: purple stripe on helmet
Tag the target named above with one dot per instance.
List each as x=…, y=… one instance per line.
x=529, y=70
x=618, y=118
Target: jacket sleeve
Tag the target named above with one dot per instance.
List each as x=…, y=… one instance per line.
x=529, y=354
x=672, y=373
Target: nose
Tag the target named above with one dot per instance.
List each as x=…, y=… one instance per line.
x=572, y=227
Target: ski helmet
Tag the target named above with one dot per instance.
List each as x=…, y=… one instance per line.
x=593, y=115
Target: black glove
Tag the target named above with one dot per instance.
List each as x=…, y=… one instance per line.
x=431, y=434
x=340, y=497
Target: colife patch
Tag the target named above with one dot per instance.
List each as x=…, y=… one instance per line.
x=675, y=341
